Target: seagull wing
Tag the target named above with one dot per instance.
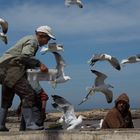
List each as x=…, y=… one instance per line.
x=131, y=59
x=138, y=55
x=115, y=63
x=60, y=64
x=100, y=77
x=65, y=106
x=79, y=3
x=108, y=94
x=52, y=47
x=3, y=37
x=4, y=25
x=43, y=50
x=94, y=59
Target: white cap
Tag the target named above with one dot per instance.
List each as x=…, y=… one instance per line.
x=46, y=29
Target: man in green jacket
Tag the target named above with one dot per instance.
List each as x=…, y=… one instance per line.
x=13, y=65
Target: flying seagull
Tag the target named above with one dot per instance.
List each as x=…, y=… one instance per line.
x=53, y=76
x=52, y=47
x=3, y=37
x=67, y=108
x=99, y=86
x=101, y=57
x=60, y=76
x=4, y=25
x=74, y=2
x=131, y=59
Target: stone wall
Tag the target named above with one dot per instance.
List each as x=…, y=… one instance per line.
x=115, y=134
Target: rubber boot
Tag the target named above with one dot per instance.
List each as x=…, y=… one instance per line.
x=3, y=115
x=37, y=116
x=29, y=120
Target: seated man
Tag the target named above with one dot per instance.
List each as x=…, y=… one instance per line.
x=119, y=116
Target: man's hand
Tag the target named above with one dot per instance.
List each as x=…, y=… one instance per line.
x=43, y=68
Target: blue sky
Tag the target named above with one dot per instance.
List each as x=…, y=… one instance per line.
x=102, y=26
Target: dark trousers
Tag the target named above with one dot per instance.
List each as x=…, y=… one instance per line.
x=23, y=89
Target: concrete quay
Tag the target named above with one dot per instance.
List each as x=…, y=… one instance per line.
x=89, y=134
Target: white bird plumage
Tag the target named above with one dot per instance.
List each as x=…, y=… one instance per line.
x=60, y=77
x=99, y=86
x=4, y=25
x=101, y=57
x=52, y=47
x=131, y=59
x=73, y=2
x=67, y=108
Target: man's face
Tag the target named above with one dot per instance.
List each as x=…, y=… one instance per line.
x=121, y=106
x=43, y=38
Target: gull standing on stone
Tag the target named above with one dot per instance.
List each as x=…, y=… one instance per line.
x=4, y=25
x=76, y=2
x=3, y=37
x=101, y=57
x=67, y=108
x=99, y=86
x=52, y=47
x=60, y=76
x=131, y=59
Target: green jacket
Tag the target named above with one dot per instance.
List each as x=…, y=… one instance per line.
x=16, y=60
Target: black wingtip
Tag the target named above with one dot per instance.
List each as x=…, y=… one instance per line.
x=54, y=105
x=109, y=101
x=93, y=71
x=118, y=68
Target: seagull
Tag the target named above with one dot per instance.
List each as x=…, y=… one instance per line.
x=3, y=37
x=4, y=25
x=67, y=108
x=53, y=76
x=131, y=59
x=52, y=47
x=101, y=57
x=99, y=86
x=76, y=2
x=60, y=76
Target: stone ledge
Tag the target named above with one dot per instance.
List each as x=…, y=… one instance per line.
x=90, y=134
